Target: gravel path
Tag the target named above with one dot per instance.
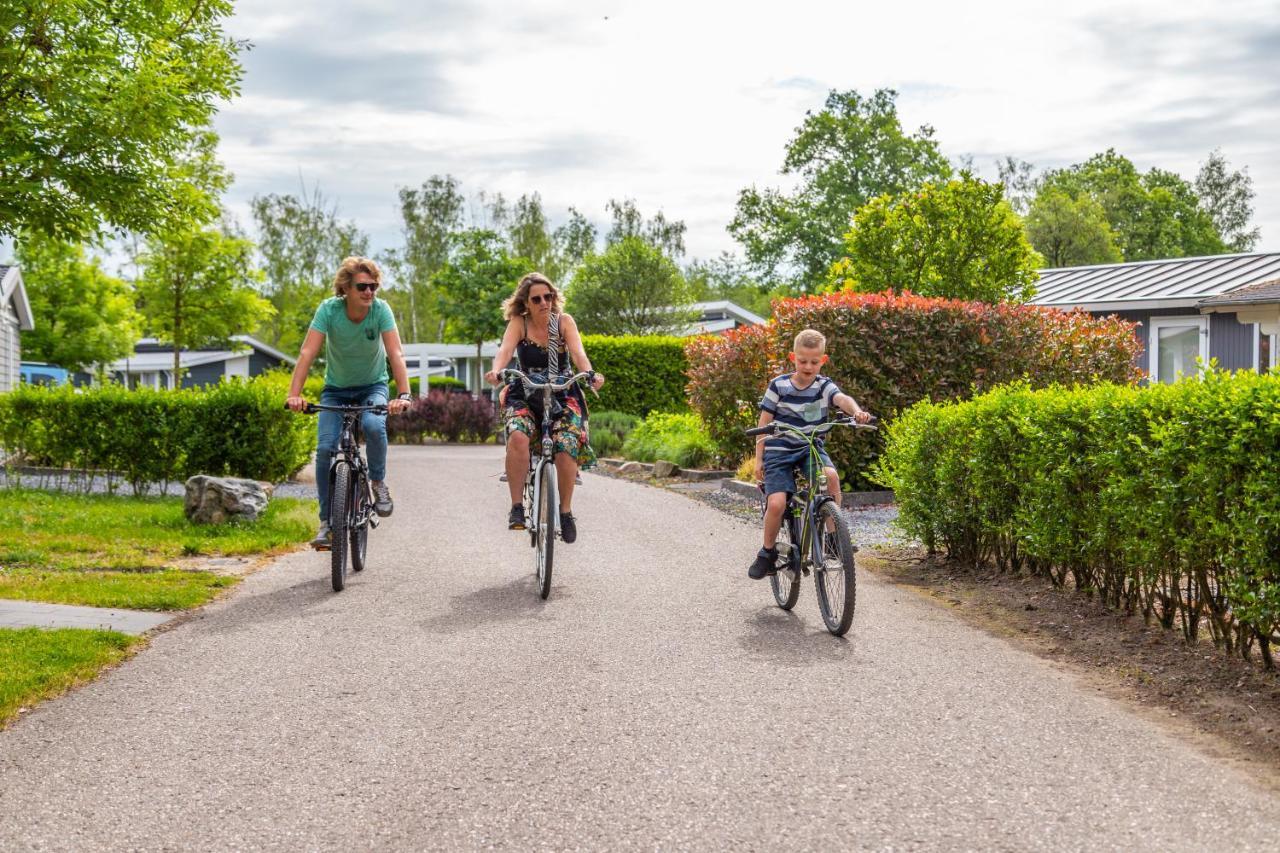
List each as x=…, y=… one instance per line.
x=100, y=486
x=657, y=700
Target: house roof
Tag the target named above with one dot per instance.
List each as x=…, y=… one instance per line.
x=1262, y=293
x=160, y=358
x=1153, y=284
x=724, y=310
x=11, y=289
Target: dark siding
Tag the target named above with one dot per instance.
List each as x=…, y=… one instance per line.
x=261, y=362
x=1143, y=329
x=203, y=374
x=1231, y=342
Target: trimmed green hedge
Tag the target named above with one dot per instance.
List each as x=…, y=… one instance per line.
x=643, y=373
x=889, y=351
x=235, y=428
x=1164, y=500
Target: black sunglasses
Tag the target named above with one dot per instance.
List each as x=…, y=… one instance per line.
x=362, y=286
x=537, y=300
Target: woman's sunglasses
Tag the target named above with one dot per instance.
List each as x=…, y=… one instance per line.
x=537, y=300
x=362, y=286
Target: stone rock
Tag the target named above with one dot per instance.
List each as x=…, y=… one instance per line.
x=216, y=500
x=631, y=468
x=663, y=468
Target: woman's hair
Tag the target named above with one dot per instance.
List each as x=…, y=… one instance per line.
x=347, y=271
x=517, y=304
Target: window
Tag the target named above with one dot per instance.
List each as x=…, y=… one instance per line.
x=1264, y=350
x=1176, y=343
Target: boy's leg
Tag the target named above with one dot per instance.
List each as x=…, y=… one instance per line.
x=833, y=489
x=775, y=505
x=779, y=481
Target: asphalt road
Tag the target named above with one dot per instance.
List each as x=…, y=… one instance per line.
x=657, y=700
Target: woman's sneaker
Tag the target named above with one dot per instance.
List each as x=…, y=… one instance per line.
x=324, y=538
x=515, y=518
x=766, y=564
x=568, y=527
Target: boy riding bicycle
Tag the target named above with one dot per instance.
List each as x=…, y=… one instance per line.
x=801, y=398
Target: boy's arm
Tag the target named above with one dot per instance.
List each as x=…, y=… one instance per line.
x=850, y=407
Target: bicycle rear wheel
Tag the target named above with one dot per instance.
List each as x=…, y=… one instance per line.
x=836, y=577
x=338, y=526
x=359, y=524
x=786, y=582
x=548, y=517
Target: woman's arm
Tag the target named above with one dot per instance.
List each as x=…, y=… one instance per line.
x=510, y=338
x=310, y=349
x=395, y=354
x=573, y=343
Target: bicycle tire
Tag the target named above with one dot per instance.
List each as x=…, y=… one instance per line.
x=836, y=579
x=786, y=590
x=548, y=516
x=338, y=525
x=359, y=525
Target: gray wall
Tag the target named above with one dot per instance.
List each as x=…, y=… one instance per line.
x=1230, y=342
x=204, y=374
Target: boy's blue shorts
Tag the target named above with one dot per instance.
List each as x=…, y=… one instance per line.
x=780, y=468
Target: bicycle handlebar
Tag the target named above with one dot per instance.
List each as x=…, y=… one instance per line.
x=530, y=385
x=312, y=408
x=816, y=429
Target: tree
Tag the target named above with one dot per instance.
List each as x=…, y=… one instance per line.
x=571, y=242
x=433, y=223
x=473, y=285
x=301, y=242
x=726, y=277
x=83, y=316
x=631, y=288
x=97, y=102
x=1227, y=197
x=959, y=240
x=668, y=237
x=1071, y=232
x=530, y=236
x=1018, y=177
x=850, y=152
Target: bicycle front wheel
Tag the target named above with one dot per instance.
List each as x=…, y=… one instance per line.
x=836, y=577
x=548, y=517
x=786, y=582
x=339, y=528
x=359, y=523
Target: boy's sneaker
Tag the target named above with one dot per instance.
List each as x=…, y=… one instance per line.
x=324, y=538
x=766, y=564
x=515, y=518
x=568, y=527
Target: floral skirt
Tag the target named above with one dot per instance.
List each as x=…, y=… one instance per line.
x=569, y=432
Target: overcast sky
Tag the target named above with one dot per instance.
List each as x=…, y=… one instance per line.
x=680, y=105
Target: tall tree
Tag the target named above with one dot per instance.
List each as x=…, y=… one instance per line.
x=1019, y=179
x=571, y=243
x=530, y=235
x=668, y=236
x=727, y=277
x=851, y=151
x=97, y=101
x=433, y=217
x=959, y=240
x=473, y=284
x=301, y=241
x=631, y=288
x=1071, y=232
x=83, y=316
x=1227, y=196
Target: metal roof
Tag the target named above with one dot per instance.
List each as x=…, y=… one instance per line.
x=11, y=288
x=1153, y=284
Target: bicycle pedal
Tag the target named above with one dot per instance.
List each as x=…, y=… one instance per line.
x=321, y=547
x=374, y=521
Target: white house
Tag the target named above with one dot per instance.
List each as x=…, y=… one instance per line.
x=15, y=318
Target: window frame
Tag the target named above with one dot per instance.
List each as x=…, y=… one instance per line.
x=1155, y=324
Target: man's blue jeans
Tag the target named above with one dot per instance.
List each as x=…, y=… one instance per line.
x=373, y=426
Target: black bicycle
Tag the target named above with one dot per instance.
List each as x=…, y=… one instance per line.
x=541, y=488
x=350, y=496
x=814, y=537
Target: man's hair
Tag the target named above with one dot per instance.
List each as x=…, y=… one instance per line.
x=347, y=273
x=810, y=339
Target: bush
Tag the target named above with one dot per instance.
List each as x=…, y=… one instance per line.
x=643, y=373
x=673, y=437
x=446, y=415
x=1163, y=500
x=889, y=351
x=434, y=383
x=608, y=431
x=235, y=428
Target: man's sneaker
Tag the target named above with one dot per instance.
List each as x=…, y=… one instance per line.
x=766, y=564
x=324, y=539
x=382, y=504
x=568, y=527
x=515, y=518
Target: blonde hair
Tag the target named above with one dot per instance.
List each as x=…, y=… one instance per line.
x=810, y=339
x=347, y=273
x=517, y=304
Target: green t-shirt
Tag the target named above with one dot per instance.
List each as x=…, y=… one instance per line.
x=354, y=354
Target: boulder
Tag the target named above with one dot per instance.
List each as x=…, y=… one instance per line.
x=663, y=468
x=215, y=500
x=632, y=468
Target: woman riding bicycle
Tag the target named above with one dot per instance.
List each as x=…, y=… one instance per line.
x=533, y=317
x=358, y=333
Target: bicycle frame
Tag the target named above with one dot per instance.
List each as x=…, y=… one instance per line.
x=348, y=452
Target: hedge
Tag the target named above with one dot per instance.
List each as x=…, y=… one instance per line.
x=643, y=373
x=1163, y=500
x=446, y=415
x=235, y=428
x=889, y=351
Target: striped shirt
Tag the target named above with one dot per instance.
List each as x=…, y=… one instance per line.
x=797, y=407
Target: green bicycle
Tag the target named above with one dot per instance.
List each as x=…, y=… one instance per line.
x=814, y=537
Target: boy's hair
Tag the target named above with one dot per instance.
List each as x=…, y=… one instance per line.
x=810, y=339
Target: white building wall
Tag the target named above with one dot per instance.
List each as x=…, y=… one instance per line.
x=10, y=353
x=237, y=366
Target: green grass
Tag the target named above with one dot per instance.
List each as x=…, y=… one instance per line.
x=115, y=551
x=39, y=663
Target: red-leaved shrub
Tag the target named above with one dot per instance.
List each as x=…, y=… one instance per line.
x=446, y=415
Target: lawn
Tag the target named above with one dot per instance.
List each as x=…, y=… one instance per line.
x=115, y=551
x=40, y=663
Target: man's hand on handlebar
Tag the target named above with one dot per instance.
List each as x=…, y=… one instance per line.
x=298, y=404
x=398, y=405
